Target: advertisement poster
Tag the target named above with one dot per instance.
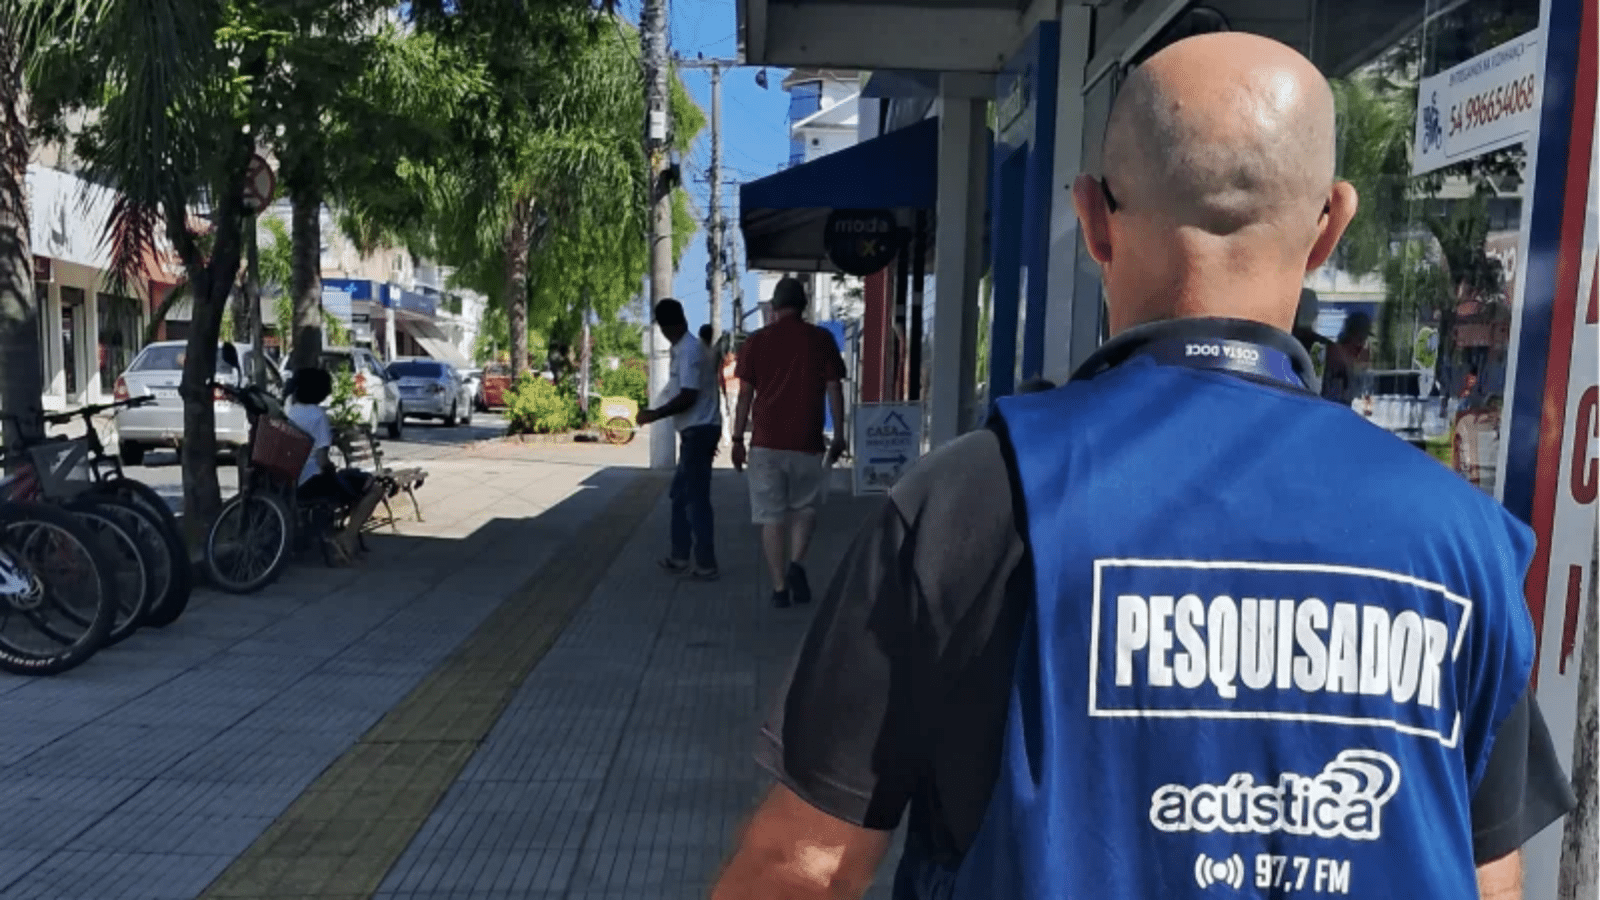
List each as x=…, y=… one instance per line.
x=888, y=439
x=1488, y=102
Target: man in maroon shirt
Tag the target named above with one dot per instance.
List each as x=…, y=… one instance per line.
x=785, y=370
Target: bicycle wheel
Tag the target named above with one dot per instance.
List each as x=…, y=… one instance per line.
x=170, y=602
x=58, y=598
x=618, y=430
x=151, y=539
x=249, y=543
x=127, y=562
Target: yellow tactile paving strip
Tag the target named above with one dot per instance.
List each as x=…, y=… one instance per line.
x=339, y=839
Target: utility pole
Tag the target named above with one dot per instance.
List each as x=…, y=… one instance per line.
x=714, y=239
x=738, y=290
x=715, y=226
x=657, y=141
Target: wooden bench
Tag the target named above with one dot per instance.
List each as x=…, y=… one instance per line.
x=362, y=451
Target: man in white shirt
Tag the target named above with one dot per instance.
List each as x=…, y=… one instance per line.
x=693, y=408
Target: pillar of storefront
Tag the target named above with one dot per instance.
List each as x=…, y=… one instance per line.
x=1077, y=33
x=876, y=313
x=958, y=256
x=55, y=376
x=1021, y=197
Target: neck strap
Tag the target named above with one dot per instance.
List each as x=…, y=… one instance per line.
x=1242, y=347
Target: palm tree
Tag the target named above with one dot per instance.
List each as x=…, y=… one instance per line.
x=175, y=89
x=21, y=382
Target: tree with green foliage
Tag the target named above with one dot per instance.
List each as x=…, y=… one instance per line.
x=540, y=206
x=175, y=91
x=359, y=100
x=1430, y=252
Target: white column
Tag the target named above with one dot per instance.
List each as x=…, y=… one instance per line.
x=389, y=335
x=1076, y=31
x=663, y=436
x=958, y=251
x=55, y=384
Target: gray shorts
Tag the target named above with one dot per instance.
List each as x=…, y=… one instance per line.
x=783, y=481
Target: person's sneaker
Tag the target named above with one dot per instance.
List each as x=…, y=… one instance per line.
x=699, y=573
x=798, y=586
x=780, y=599
x=674, y=566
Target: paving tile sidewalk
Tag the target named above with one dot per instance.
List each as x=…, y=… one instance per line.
x=622, y=768
x=147, y=771
x=282, y=745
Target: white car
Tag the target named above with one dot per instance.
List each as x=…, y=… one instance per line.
x=156, y=372
x=377, y=396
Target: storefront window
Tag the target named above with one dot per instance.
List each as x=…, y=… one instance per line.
x=119, y=336
x=1414, y=309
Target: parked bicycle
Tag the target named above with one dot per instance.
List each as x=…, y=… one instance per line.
x=58, y=598
x=91, y=477
x=254, y=533
x=59, y=471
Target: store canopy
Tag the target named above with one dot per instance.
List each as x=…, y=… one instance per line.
x=434, y=341
x=782, y=215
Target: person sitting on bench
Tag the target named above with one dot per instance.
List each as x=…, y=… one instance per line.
x=320, y=480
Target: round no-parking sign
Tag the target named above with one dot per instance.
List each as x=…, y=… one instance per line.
x=259, y=185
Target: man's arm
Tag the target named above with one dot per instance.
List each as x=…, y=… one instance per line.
x=741, y=410
x=689, y=365
x=793, y=851
x=667, y=410
x=1502, y=878
x=836, y=407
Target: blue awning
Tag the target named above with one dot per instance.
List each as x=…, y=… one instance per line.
x=782, y=215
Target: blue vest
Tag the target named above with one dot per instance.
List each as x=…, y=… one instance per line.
x=1269, y=649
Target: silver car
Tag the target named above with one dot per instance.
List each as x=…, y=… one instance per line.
x=156, y=372
x=431, y=389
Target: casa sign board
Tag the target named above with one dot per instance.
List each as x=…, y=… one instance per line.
x=888, y=440
x=1486, y=103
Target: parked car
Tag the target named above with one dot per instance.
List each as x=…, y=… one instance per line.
x=472, y=381
x=156, y=372
x=432, y=389
x=496, y=382
x=377, y=396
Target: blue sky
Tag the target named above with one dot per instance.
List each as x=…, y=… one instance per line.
x=755, y=136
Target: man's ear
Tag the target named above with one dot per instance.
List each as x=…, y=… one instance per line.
x=1342, y=206
x=1094, y=219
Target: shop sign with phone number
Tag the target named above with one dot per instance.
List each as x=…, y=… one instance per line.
x=1486, y=103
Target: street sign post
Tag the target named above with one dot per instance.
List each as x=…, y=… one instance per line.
x=259, y=185
x=888, y=438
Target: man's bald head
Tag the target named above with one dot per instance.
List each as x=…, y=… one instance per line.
x=1223, y=144
x=1222, y=132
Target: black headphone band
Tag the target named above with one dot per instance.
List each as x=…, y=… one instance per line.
x=1117, y=350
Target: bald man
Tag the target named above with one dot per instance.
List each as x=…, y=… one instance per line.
x=1166, y=663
